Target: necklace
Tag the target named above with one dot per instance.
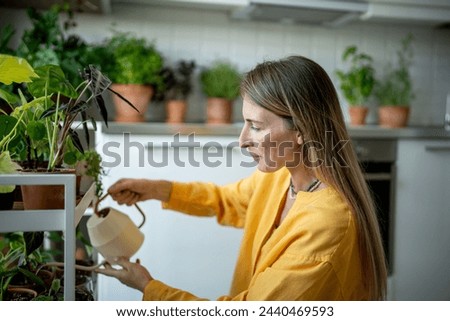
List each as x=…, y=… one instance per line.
x=312, y=187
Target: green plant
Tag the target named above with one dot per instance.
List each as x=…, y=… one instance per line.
x=221, y=80
x=89, y=164
x=134, y=61
x=395, y=88
x=358, y=82
x=178, y=81
x=45, y=124
x=12, y=70
x=21, y=256
x=48, y=42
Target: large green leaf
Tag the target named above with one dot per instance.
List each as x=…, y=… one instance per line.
x=7, y=124
x=51, y=81
x=15, y=69
x=36, y=129
x=8, y=97
x=6, y=167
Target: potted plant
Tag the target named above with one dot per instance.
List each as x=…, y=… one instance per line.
x=357, y=83
x=178, y=86
x=46, y=122
x=13, y=70
x=395, y=91
x=220, y=83
x=88, y=167
x=135, y=70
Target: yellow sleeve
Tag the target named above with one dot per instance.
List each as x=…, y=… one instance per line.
x=289, y=279
x=228, y=203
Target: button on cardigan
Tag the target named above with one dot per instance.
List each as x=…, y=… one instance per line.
x=312, y=255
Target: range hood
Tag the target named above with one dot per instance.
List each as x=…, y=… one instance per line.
x=90, y=6
x=334, y=13
x=327, y=12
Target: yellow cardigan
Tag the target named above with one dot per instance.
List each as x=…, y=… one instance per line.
x=312, y=255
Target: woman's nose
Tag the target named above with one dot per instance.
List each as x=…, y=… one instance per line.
x=244, y=139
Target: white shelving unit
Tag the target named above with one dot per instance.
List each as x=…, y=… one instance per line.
x=64, y=220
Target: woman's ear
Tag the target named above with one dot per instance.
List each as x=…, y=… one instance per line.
x=299, y=138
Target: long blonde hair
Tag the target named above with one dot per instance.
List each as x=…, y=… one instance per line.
x=299, y=90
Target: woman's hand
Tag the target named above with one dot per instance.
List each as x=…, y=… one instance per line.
x=130, y=190
x=131, y=274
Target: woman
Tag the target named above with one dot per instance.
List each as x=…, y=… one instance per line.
x=310, y=228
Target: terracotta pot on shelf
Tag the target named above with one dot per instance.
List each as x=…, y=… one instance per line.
x=40, y=197
x=139, y=95
x=393, y=116
x=219, y=111
x=358, y=115
x=176, y=111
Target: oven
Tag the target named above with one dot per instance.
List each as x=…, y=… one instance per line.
x=378, y=159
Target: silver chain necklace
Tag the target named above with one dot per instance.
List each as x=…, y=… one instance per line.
x=312, y=187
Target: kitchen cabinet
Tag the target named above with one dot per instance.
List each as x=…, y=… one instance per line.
x=191, y=253
x=421, y=269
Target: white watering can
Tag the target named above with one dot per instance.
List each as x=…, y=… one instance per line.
x=113, y=233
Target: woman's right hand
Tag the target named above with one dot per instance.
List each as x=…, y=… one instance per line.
x=132, y=190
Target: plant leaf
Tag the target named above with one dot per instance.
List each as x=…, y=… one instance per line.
x=85, y=128
x=36, y=130
x=7, y=124
x=15, y=69
x=76, y=140
x=52, y=79
x=33, y=240
x=8, y=97
x=101, y=106
x=124, y=99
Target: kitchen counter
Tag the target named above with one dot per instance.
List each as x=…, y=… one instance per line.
x=369, y=131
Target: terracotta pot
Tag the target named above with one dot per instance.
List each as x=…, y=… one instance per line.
x=219, y=111
x=20, y=294
x=176, y=111
x=358, y=115
x=40, y=197
x=393, y=116
x=139, y=95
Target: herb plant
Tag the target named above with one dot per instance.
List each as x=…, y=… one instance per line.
x=221, y=80
x=395, y=88
x=178, y=80
x=358, y=81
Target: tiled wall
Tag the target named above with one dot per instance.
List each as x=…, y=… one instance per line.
x=209, y=35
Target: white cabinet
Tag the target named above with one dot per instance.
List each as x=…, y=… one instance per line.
x=191, y=253
x=422, y=221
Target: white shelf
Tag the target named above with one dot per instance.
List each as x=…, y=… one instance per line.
x=64, y=220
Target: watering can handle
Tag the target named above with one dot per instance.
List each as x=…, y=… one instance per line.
x=106, y=195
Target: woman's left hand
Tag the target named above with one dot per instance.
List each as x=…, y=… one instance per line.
x=131, y=274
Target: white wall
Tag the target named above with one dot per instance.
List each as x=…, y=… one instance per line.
x=208, y=35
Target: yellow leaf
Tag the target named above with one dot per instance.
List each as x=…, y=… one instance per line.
x=15, y=69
